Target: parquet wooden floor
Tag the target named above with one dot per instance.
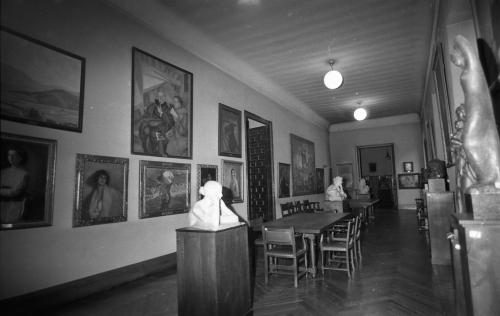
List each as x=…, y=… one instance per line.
x=394, y=278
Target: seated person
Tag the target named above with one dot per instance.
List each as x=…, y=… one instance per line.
x=210, y=212
x=363, y=187
x=334, y=196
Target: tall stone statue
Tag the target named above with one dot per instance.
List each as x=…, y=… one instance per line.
x=476, y=142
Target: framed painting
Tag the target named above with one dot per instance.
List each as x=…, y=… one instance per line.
x=303, y=166
x=409, y=181
x=320, y=180
x=101, y=190
x=162, y=107
x=408, y=166
x=344, y=170
x=229, y=131
x=41, y=84
x=27, y=181
x=232, y=178
x=284, y=180
x=165, y=188
x=206, y=173
x=443, y=102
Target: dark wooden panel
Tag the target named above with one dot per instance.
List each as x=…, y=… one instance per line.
x=440, y=206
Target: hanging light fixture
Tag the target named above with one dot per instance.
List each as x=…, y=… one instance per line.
x=333, y=79
x=360, y=114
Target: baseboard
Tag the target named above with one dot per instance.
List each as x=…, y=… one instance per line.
x=30, y=303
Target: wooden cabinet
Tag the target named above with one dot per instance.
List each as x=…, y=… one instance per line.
x=213, y=271
x=476, y=265
x=440, y=205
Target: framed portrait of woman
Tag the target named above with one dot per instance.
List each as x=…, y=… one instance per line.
x=229, y=131
x=232, y=178
x=162, y=107
x=101, y=190
x=205, y=173
x=27, y=181
x=165, y=188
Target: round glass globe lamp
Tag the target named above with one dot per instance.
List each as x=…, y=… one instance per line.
x=360, y=114
x=333, y=79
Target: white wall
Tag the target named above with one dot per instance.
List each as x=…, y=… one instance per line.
x=402, y=131
x=36, y=258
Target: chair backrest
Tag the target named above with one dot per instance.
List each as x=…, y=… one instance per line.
x=306, y=207
x=285, y=209
x=278, y=236
x=298, y=207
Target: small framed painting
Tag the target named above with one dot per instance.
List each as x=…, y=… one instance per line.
x=229, y=131
x=232, y=178
x=206, y=173
x=284, y=180
x=408, y=166
x=101, y=190
x=409, y=181
x=41, y=84
x=320, y=180
x=27, y=177
x=164, y=188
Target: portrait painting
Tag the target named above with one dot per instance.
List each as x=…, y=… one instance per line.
x=344, y=170
x=165, y=188
x=101, y=190
x=284, y=180
x=232, y=178
x=229, y=131
x=303, y=166
x=205, y=173
x=320, y=180
x=409, y=181
x=27, y=178
x=408, y=166
x=41, y=84
x=162, y=107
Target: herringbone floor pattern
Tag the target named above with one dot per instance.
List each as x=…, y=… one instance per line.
x=395, y=278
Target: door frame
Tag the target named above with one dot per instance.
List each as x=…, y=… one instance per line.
x=247, y=116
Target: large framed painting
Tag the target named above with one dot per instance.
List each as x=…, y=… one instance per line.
x=443, y=102
x=229, y=131
x=284, y=180
x=206, y=173
x=409, y=181
x=232, y=178
x=100, y=190
x=320, y=180
x=303, y=166
x=344, y=170
x=165, y=188
x=27, y=181
x=41, y=84
x=162, y=107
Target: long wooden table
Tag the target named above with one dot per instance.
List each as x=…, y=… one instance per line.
x=311, y=225
x=366, y=206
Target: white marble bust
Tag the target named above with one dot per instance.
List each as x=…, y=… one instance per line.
x=335, y=192
x=210, y=212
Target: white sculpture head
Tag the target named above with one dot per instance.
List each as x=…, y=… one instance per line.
x=212, y=190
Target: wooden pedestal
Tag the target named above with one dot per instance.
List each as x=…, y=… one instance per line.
x=213, y=271
x=440, y=205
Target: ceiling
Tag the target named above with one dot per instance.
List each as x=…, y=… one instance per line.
x=281, y=48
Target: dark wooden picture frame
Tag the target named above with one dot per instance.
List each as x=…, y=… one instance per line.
x=284, y=180
x=320, y=180
x=408, y=166
x=229, y=131
x=100, y=190
x=443, y=102
x=27, y=192
x=233, y=179
x=303, y=166
x=162, y=107
x=165, y=188
x=206, y=173
x=409, y=181
x=41, y=84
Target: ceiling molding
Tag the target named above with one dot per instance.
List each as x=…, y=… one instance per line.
x=374, y=123
x=174, y=29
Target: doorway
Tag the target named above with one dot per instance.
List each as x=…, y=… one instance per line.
x=376, y=166
x=259, y=156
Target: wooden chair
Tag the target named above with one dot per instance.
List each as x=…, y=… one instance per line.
x=307, y=207
x=298, y=207
x=357, y=240
x=281, y=243
x=339, y=252
x=286, y=209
